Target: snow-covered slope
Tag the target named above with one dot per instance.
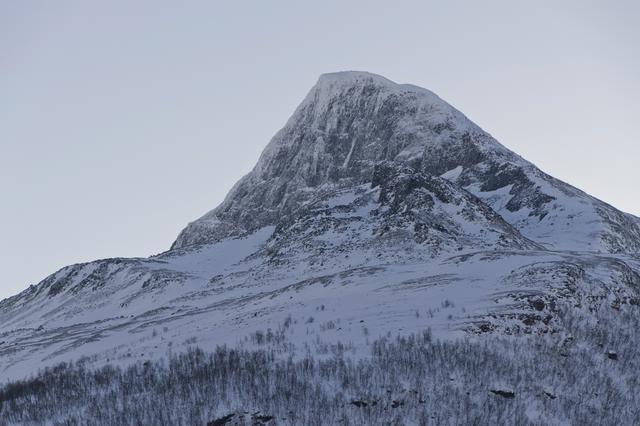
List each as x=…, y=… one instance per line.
x=377, y=209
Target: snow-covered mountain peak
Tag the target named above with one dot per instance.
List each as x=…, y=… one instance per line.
x=351, y=121
x=348, y=123
x=336, y=83
x=332, y=88
x=350, y=78
x=345, y=79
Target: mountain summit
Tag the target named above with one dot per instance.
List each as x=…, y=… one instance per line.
x=351, y=121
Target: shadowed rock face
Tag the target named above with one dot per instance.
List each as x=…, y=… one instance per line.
x=352, y=121
x=400, y=209
x=412, y=196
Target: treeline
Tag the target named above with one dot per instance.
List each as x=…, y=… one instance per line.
x=586, y=376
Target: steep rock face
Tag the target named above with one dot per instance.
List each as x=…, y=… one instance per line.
x=438, y=210
x=351, y=121
x=347, y=123
x=401, y=210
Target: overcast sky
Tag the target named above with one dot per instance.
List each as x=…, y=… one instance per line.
x=121, y=121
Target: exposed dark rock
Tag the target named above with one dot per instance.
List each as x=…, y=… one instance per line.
x=240, y=419
x=503, y=393
x=529, y=319
x=486, y=327
x=261, y=419
x=222, y=421
x=396, y=403
x=538, y=304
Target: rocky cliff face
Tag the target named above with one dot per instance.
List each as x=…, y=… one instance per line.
x=352, y=121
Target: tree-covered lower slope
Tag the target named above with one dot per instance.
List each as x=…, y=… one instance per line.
x=587, y=376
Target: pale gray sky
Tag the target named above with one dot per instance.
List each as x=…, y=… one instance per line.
x=121, y=121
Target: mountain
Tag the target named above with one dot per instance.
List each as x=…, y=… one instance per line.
x=378, y=210
x=351, y=121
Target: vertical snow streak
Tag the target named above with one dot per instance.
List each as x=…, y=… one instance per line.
x=346, y=160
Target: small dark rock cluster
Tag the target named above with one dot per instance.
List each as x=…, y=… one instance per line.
x=243, y=419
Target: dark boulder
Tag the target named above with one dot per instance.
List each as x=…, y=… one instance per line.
x=503, y=393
